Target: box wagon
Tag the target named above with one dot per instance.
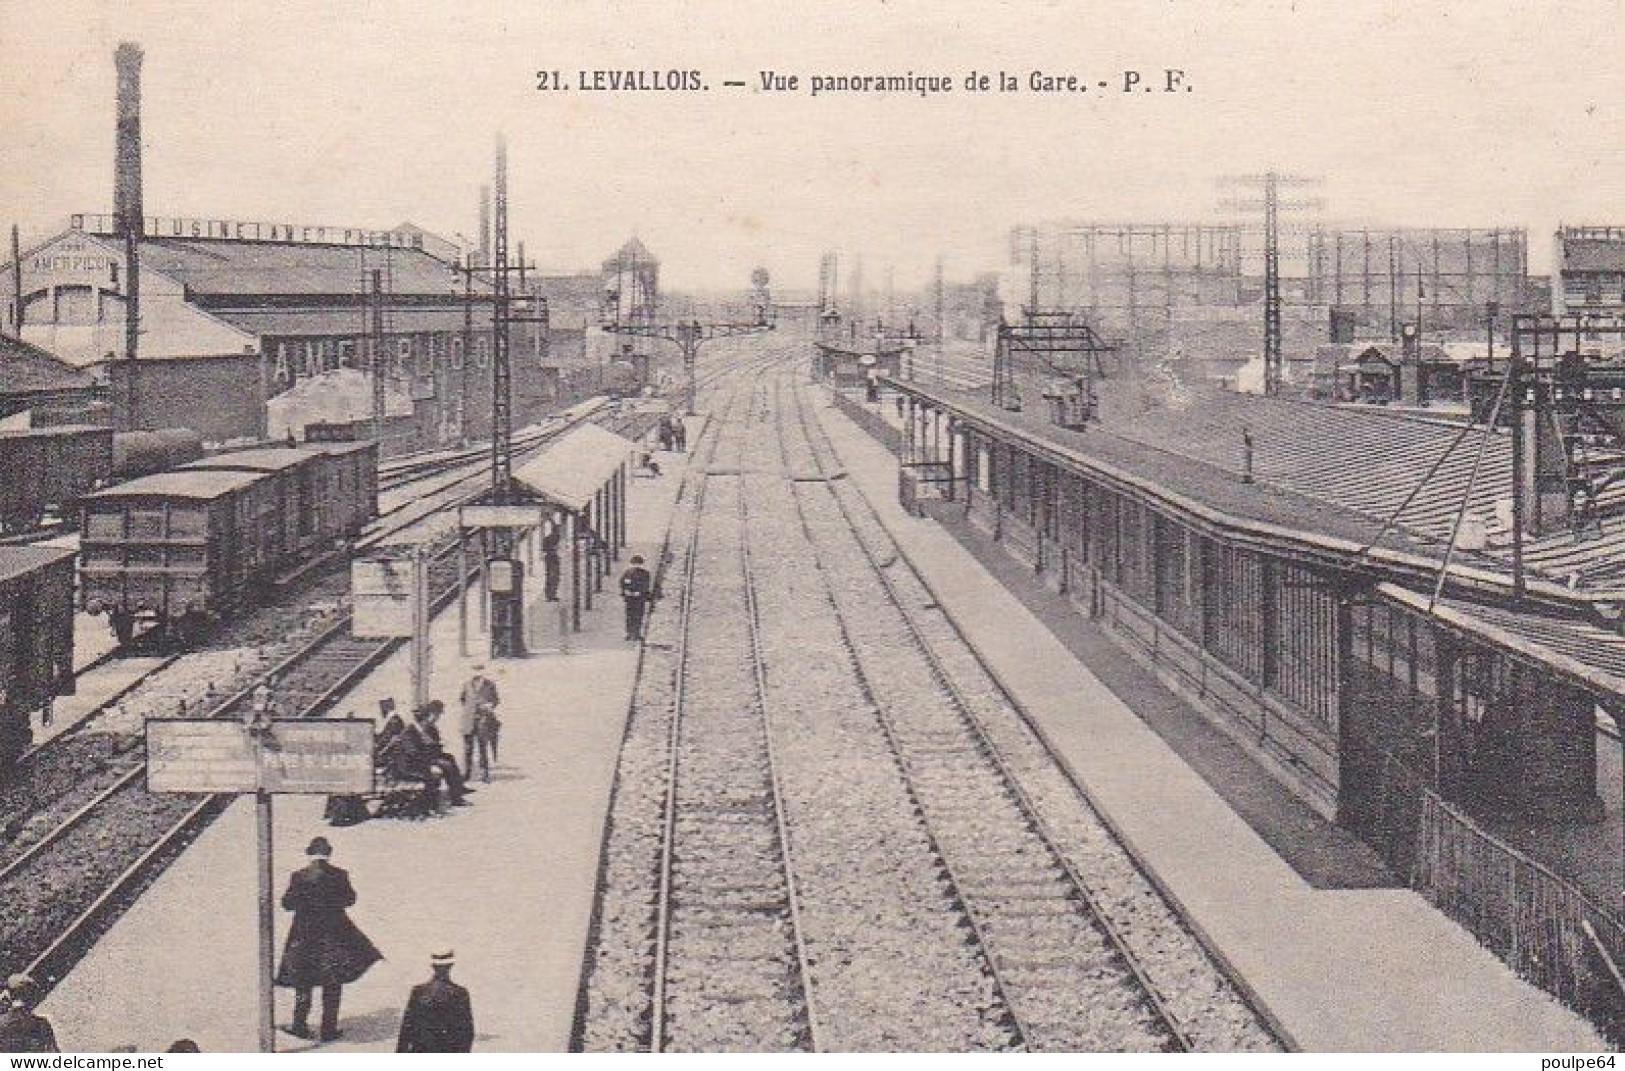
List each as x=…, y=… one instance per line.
x=50, y=469
x=36, y=639
x=178, y=546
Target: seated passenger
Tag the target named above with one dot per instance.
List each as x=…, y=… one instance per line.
x=435, y=754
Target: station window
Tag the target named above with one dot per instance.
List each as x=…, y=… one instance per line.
x=185, y=523
x=104, y=525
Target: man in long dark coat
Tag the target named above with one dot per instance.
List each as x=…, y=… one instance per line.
x=439, y=1016
x=22, y=1029
x=324, y=947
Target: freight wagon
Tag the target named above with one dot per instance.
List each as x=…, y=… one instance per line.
x=36, y=639
x=50, y=469
x=195, y=544
x=326, y=491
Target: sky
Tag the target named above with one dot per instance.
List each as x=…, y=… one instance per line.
x=364, y=113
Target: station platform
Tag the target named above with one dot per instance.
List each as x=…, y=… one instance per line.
x=507, y=882
x=1337, y=968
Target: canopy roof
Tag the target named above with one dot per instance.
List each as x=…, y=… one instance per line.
x=570, y=471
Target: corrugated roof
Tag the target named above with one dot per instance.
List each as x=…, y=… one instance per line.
x=261, y=459
x=184, y=483
x=574, y=468
x=27, y=369
x=264, y=268
x=1328, y=473
x=20, y=561
x=350, y=319
x=1592, y=655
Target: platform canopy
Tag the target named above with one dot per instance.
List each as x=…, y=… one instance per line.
x=576, y=467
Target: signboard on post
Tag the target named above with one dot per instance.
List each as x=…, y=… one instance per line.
x=318, y=756
x=278, y=756
x=383, y=593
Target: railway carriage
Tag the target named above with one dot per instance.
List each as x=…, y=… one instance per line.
x=50, y=469
x=36, y=639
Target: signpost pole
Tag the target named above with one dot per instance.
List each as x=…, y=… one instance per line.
x=420, y=629
x=262, y=816
x=462, y=591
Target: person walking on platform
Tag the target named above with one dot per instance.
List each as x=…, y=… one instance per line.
x=21, y=1028
x=550, y=566
x=480, y=693
x=637, y=589
x=324, y=947
x=439, y=1015
x=680, y=435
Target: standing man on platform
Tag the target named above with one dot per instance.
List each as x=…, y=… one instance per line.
x=637, y=589
x=480, y=693
x=550, y=565
x=324, y=947
x=439, y=1015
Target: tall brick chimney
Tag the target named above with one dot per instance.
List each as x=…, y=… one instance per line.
x=127, y=212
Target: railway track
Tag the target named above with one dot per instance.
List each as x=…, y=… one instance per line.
x=727, y=931
x=1070, y=983
x=913, y=807
x=981, y=734
x=67, y=879
x=72, y=881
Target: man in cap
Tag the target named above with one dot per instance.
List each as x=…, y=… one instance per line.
x=439, y=1016
x=637, y=588
x=21, y=1028
x=480, y=699
x=324, y=947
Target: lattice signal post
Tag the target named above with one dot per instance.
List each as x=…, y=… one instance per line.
x=507, y=598
x=688, y=336
x=1270, y=185
x=1057, y=342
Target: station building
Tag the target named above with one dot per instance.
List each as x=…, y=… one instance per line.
x=1588, y=268
x=1278, y=564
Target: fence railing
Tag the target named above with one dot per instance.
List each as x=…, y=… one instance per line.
x=1540, y=924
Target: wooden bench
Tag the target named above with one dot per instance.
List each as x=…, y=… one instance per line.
x=389, y=798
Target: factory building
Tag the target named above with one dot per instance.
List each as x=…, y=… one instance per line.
x=254, y=329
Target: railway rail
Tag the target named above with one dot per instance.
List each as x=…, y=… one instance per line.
x=1068, y=846
x=1069, y=982
x=66, y=887
x=727, y=889
x=69, y=876
x=909, y=793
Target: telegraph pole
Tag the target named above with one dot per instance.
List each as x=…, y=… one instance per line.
x=378, y=358
x=16, y=283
